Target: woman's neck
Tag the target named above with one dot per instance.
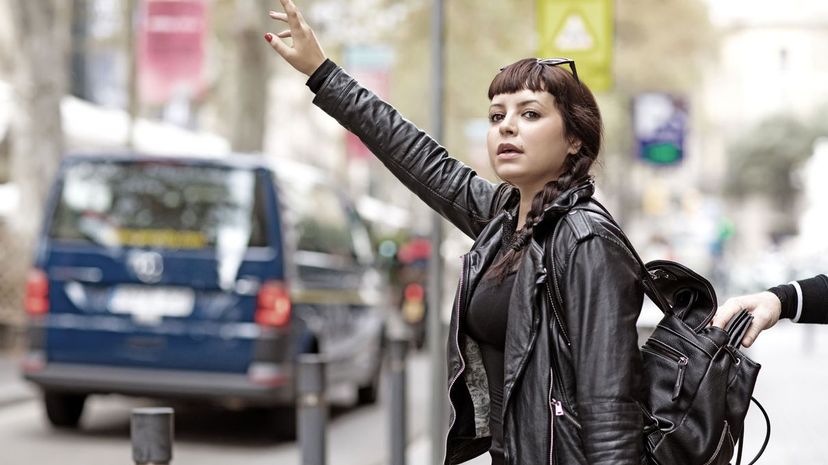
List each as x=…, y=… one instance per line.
x=526, y=197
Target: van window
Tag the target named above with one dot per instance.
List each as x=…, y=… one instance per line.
x=159, y=204
x=321, y=222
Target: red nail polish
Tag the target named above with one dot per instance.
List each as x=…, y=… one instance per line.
x=268, y=37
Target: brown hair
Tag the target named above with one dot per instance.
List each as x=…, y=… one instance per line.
x=582, y=122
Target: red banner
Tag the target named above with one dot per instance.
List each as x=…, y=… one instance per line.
x=171, y=55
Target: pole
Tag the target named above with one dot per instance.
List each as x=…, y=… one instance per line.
x=151, y=430
x=132, y=71
x=313, y=410
x=397, y=352
x=436, y=334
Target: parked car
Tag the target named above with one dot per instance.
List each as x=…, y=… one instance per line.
x=204, y=279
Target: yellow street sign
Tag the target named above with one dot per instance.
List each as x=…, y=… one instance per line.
x=583, y=31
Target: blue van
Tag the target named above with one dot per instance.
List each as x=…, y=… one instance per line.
x=186, y=278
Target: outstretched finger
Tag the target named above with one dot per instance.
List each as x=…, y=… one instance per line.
x=292, y=14
x=278, y=16
x=284, y=34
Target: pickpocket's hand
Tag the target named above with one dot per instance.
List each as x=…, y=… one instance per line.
x=764, y=306
x=305, y=54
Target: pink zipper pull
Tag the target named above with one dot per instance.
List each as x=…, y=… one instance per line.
x=558, y=408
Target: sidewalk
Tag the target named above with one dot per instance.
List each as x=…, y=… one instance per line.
x=13, y=388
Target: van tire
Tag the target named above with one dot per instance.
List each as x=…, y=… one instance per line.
x=283, y=423
x=64, y=409
x=369, y=394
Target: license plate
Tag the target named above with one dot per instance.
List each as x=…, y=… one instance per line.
x=148, y=305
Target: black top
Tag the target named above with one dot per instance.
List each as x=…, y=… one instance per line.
x=486, y=323
x=804, y=301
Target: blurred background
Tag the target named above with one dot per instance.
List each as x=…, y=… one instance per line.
x=716, y=141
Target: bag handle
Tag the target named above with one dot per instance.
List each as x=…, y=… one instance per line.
x=767, y=436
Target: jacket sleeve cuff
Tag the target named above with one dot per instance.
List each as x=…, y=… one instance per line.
x=814, y=295
x=319, y=76
x=787, y=297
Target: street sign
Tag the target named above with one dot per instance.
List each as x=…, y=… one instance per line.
x=172, y=37
x=660, y=125
x=371, y=66
x=583, y=31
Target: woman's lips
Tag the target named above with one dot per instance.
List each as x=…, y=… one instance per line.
x=508, y=155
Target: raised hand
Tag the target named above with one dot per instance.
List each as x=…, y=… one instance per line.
x=305, y=54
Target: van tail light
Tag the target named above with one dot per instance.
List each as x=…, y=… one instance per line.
x=37, y=293
x=273, y=304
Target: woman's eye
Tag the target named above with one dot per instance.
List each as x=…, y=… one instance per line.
x=495, y=117
x=531, y=114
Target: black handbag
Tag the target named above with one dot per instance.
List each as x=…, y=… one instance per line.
x=699, y=384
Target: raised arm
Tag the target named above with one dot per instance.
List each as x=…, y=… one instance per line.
x=447, y=185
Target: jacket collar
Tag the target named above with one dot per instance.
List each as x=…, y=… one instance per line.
x=563, y=203
x=571, y=197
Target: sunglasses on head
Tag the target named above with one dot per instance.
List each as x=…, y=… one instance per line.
x=558, y=62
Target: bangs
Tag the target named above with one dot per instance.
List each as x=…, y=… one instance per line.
x=528, y=74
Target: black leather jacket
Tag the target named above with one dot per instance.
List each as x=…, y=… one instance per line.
x=572, y=371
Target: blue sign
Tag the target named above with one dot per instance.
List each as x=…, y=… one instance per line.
x=660, y=124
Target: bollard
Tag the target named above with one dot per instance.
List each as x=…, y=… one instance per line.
x=151, y=430
x=397, y=353
x=313, y=410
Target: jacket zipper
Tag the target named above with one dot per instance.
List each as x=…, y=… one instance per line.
x=553, y=412
x=663, y=350
x=456, y=339
x=560, y=411
x=555, y=310
x=685, y=339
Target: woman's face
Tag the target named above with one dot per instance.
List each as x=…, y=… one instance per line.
x=526, y=141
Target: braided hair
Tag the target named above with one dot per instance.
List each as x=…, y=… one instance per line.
x=582, y=122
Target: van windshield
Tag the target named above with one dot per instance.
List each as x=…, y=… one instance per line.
x=159, y=204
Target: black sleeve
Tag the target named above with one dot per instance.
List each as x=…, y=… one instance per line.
x=445, y=184
x=808, y=303
x=602, y=301
x=316, y=79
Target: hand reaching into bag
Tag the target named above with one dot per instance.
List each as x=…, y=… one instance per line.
x=764, y=306
x=305, y=54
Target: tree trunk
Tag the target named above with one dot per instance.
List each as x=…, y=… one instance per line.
x=251, y=74
x=40, y=81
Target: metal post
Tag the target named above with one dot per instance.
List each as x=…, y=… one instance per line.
x=397, y=351
x=313, y=410
x=151, y=430
x=436, y=334
x=132, y=71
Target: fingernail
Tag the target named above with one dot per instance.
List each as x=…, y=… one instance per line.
x=268, y=37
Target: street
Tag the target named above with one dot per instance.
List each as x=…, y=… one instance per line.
x=202, y=436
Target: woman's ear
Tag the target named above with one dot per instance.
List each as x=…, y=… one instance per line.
x=574, y=146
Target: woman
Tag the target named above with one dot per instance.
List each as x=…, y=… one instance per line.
x=543, y=362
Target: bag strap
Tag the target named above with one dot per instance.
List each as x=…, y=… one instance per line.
x=767, y=436
x=647, y=278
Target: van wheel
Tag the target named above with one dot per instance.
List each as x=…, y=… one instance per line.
x=64, y=409
x=282, y=422
x=369, y=394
